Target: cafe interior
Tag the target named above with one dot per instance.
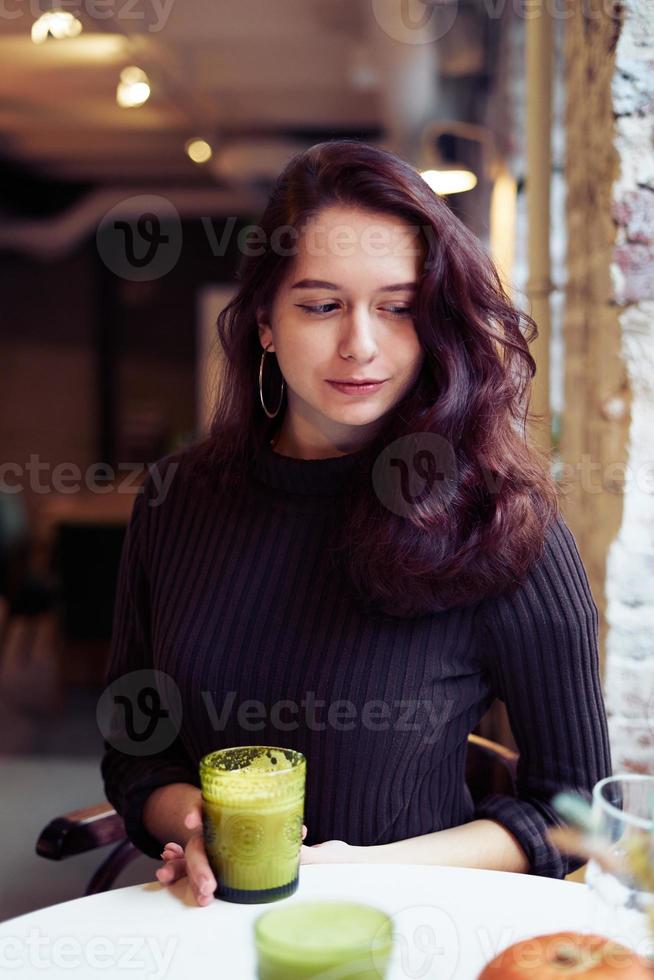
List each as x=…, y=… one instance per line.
x=122, y=122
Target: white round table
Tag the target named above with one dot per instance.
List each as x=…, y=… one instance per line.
x=448, y=922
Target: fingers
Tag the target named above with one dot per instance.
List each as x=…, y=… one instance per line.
x=172, y=850
x=304, y=831
x=171, y=871
x=201, y=877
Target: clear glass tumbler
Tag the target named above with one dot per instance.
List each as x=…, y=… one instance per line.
x=620, y=908
x=253, y=809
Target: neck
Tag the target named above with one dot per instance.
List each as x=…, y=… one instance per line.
x=289, y=445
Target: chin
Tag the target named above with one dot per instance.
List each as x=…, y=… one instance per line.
x=353, y=417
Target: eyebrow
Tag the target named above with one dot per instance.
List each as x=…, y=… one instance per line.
x=322, y=284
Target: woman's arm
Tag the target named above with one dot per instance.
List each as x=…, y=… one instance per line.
x=143, y=752
x=540, y=648
x=477, y=844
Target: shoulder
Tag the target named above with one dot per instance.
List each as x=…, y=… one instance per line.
x=167, y=487
x=560, y=567
x=188, y=470
x=161, y=497
x=562, y=570
x=164, y=475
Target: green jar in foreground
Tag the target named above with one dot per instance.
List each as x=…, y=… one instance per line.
x=253, y=810
x=323, y=940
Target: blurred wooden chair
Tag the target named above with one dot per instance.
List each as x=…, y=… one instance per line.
x=84, y=830
x=490, y=768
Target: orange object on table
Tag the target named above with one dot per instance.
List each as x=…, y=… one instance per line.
x=557, y=955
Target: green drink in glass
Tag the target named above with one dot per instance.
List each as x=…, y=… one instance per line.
x=253, y=808
x=330, y=940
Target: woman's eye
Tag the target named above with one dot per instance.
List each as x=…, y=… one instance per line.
x=324, y=307
x=317, y=309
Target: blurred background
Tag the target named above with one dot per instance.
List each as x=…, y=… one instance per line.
x=138, y=138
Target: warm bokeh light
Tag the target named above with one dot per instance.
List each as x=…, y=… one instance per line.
x=58, y=24
x=503, y=222
x=449, y=181
x=133, y=88
x=198, y=150
x=132, y=75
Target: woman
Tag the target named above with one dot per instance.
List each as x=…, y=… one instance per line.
x=359, y=572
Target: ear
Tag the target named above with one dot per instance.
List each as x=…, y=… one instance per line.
x=263, y=325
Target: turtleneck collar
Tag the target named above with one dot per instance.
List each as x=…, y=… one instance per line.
x=323, y=477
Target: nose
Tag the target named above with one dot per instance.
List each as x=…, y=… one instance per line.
x=358, y=339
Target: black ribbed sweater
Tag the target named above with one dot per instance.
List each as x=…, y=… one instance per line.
x=233, y=598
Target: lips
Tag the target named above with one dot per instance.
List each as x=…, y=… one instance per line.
x=356, y=389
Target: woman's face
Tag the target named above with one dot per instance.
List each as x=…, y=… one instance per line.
x=342, y=312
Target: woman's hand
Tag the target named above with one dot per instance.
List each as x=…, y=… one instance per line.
x=192, y=860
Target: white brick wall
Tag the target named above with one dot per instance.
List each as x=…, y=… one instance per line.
x=629, y=678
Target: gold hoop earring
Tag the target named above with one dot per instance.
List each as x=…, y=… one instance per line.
x=271, y=415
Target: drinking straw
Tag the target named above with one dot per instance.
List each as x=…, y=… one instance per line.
x=571, y=841
x=580, y=837
x=575, y=810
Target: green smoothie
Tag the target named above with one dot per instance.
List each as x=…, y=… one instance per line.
x=253, y=803
x=330, y=940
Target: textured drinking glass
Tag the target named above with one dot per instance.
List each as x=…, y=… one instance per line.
x=620, y=909
x=253, y=808
x=330, y=940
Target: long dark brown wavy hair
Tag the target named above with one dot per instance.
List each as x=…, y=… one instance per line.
x=481, y=538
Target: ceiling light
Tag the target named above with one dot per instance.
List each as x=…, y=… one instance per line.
x=133, y=88
x=449, y=180
x=198, y=150
x=450, y=175
x=59, y=24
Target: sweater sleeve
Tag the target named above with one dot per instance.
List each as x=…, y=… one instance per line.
x=540, y=648
x=133, y=767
